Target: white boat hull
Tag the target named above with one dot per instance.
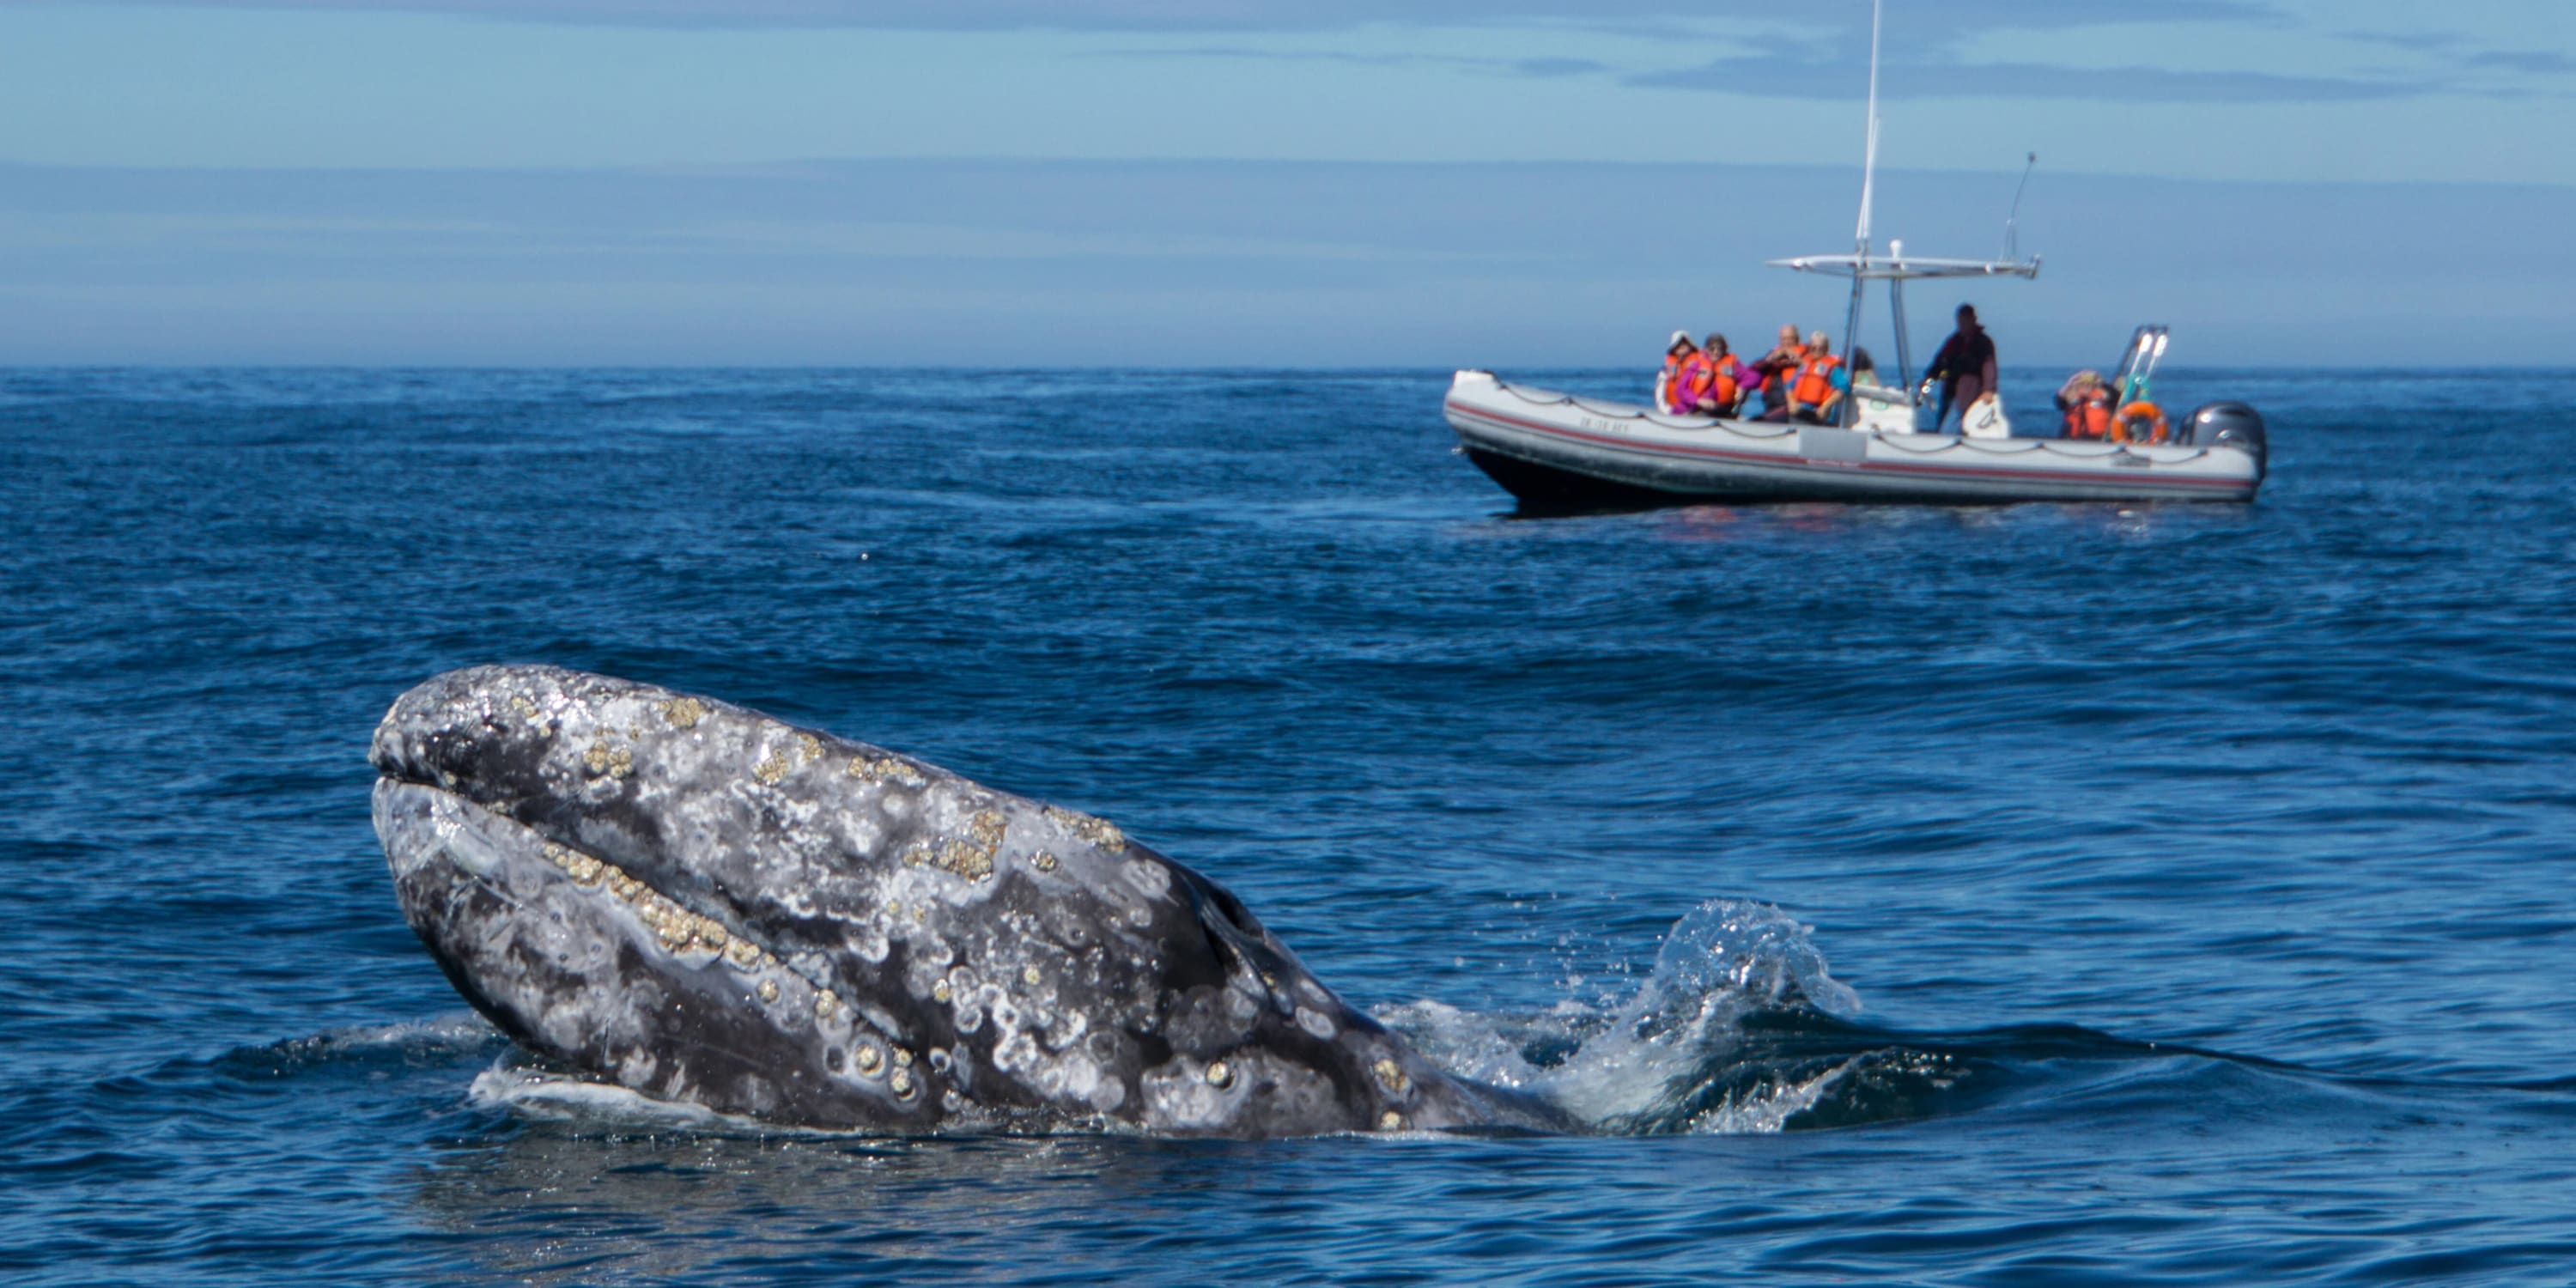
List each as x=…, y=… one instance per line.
x=1550, y=448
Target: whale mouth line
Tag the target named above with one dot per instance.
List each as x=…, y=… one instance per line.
x=668, y=923
x=681, y=930
x=684, y=933
x=642, y=915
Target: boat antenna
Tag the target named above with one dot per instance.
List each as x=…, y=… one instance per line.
x=1869, y=148
x=1868, y=197
x=2012, y=222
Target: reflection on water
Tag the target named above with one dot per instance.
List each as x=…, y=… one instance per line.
x=553, y=1204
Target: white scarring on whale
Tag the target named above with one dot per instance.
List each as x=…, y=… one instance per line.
x=714, y=907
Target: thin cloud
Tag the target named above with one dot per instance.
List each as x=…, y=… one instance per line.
x=1536, y=68
x=1549, y=68
x=2458, y=66
x=1955, y=17
x=2536, y=63
x=1785, y=77
x=2413, y=40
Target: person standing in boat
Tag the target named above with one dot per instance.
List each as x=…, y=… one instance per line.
x=1965, y=366
x=1678, y=352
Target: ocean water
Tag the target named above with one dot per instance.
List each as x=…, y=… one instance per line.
x=2032, y=895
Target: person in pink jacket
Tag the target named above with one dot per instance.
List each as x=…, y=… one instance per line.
x=1716, y=384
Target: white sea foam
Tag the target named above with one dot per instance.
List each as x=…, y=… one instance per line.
x=540, y=1094
x=569, y=1098
x=1629, y=1057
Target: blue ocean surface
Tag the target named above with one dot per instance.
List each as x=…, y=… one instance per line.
x=2046, y=894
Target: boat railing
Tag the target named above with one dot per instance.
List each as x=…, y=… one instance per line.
x=1648, y=415
x=1758, y=430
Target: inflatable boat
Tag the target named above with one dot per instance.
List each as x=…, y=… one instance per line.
x=1557, y=451
x=1554, y=450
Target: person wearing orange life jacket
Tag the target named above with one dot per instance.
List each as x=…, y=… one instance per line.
x=1677, y=351
x=1717, y=382
x=1816, y=392
x=1690, y=383
x=2086, y=399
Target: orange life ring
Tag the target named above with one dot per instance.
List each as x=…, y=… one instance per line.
x=2140, y=422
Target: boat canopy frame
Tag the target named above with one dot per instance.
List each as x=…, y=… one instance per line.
x=1895, y=268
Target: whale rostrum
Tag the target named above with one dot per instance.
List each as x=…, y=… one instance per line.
x=708, y=905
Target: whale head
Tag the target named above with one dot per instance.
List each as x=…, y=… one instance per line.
x=708, y=905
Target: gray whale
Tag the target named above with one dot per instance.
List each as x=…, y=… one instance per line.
x=712, y=906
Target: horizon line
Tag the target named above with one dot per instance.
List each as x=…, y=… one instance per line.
x=687, y=168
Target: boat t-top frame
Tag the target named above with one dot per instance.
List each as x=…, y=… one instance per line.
x=1864, y=265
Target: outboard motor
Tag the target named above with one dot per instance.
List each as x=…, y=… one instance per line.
x=2228, y=424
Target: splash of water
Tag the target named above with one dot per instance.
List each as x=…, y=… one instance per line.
x=1662, y=1059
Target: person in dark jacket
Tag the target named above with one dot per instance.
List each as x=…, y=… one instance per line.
x=1776, y=367
x=1965, y=366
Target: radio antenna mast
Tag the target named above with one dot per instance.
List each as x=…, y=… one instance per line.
x=1869, y=150
x=1868, y=197
x=2012, y=222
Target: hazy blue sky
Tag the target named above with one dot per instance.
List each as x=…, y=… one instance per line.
x=1513, y=181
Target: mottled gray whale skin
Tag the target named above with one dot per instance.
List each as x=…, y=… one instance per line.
x=708, y=905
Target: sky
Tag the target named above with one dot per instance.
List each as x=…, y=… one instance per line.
x=1242, y=182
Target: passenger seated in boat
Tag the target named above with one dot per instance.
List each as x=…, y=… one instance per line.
x=1864, y=370
x=1716, y=382
x=2085, y=400
x=1776, y=368
x=1677, y=351
x=1816, y=393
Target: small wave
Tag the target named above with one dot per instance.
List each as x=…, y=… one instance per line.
x=1767, y=1110
x=1742, y=1028
x=409, y=1042
x=452, y=1034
